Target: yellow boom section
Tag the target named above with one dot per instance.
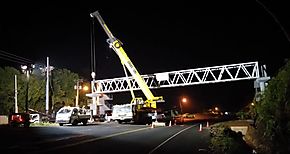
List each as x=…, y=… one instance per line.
x=115, y=44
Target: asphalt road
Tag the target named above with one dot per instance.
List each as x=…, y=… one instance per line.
x=106, y=138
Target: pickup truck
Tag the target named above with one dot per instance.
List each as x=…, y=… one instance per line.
x=72, y=115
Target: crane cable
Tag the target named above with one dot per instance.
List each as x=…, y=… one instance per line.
x=93, y=48
x=275, y=19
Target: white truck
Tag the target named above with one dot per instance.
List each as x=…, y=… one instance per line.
x=72, y=115
x=129, y=113
x=122, y=113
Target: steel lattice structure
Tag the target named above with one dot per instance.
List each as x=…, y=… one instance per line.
x=215, y=74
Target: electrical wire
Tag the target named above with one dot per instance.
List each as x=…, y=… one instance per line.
x=14, y=58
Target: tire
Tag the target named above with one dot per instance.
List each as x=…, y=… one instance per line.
x=60, y=124
x=12, y=124
x=120, y=121
x=26, y=125
x=75, y=122
x=85, y=122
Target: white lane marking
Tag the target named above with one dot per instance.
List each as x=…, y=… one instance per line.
x=92, y=140
x=85, y=130
x=170, y=138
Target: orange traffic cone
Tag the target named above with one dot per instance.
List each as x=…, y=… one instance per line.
x=200, y=127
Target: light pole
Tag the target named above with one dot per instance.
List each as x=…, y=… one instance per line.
x=26, y=69
x=16, y=93
x=183, y=100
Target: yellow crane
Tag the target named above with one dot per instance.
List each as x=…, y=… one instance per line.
x=116, y=45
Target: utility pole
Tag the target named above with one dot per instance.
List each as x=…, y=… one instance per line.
x=78, y=87
x=16, y=93
x=27, y=88
x=93, y=106
x=47, y=85
x=26, y=69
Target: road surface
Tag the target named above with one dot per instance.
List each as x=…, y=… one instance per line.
x=106, y=138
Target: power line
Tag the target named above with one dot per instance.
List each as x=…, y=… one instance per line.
x=14, y=58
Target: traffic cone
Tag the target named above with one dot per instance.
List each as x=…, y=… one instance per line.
x=207, y=124
x=175, y=122
x=169, y=123
x=200, y=127
x=152, y=125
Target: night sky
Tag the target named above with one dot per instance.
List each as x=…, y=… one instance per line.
x=158, y=37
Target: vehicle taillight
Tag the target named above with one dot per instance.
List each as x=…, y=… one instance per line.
x=20, y=118
x=14, y=117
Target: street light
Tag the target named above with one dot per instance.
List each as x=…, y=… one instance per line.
x=85, y=88
x=216, y=108
x=183, y=100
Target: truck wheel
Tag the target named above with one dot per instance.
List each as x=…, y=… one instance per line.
x=26, y=124
x=75, y=122
x=60, y=124
x=85, y=122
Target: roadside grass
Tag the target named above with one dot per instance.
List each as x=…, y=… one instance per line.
x=43, y=124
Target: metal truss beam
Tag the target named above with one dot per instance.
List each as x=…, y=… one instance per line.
x=215, y=74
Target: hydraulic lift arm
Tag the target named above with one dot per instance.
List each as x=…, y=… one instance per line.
x=116, y=45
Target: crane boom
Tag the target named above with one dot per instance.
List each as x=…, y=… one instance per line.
x=116, y=45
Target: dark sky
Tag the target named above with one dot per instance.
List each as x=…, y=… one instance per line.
x=158, y=37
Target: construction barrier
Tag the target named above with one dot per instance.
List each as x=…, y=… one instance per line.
x=3, y=119
x=200, y=127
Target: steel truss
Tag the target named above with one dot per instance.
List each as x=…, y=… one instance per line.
x=215, y=74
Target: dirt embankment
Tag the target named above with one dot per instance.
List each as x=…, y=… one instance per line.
x=250, y=136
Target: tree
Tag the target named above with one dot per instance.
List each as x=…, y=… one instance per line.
x=273, y=111
x=63, y=82
x=7, y=90
x=36, y=94
x=62, y=88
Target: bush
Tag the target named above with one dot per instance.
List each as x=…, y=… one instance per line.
x=226, y=141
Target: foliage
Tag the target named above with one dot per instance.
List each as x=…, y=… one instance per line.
x=7, y=92
x=274, y=111
x=36, y=94
x=61, y=88
x=242, y=115
x=63, y=82
x=45, y=124
x=226, y=141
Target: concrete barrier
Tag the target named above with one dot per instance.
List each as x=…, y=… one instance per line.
x=242, y=129
x=3, y=119
x=158, y=124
